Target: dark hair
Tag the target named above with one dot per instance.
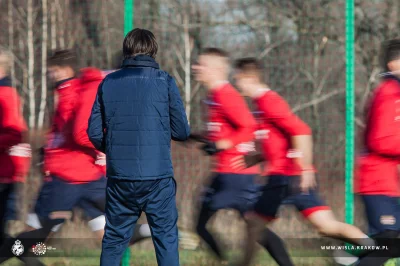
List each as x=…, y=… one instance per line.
x=249, y=64
x=63, y=58
x=390, y=52
x=215, y=51
x=140, y=41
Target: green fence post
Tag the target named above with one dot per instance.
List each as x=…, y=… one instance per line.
x=349, y=197
x=128, y=16
x=129, y=10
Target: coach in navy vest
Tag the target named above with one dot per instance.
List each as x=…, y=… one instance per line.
x=137, y=112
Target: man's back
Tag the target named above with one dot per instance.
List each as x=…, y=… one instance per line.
x=142, y=112
x=136, y=114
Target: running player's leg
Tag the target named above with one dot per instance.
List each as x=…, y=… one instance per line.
x=212, y=199
x=11, y=210
x=265, y=211
x=323, y=219
x=275, y=247
x=5, y=191
x=247, y=192
x=54, y=206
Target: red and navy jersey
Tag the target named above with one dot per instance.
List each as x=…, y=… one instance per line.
x=377, y=167
x=276, y=125
x=12, y=128
x=230, y=118
x=64, y=157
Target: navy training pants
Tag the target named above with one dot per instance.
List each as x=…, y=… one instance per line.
x=125, y=201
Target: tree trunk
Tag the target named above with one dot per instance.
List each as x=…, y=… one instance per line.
x=188, y=51
x=11, y=38
x=60, y=16
x=43, y=93
x=31, y=66
x=53, y=30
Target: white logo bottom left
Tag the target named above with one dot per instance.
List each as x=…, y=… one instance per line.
x=17, y=249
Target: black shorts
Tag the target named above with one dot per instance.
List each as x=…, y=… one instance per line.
x=231, y=191
x=285, y=190
x=383, y=213
x=59, y=195
x=12, y=201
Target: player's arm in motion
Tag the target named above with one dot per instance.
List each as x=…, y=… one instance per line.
x=11, y=131
x=323, y=220
x=279, y=111
x=237, y=113
x=276, y=110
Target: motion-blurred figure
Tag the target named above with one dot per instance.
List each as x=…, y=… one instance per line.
x=287, y=148
x=12, y=127
x=377, y=177
x=230, y=133
x=73, y=176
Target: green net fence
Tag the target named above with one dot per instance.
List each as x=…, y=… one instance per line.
x=302, y=45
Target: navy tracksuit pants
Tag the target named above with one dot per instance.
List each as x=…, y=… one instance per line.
x=125, y=201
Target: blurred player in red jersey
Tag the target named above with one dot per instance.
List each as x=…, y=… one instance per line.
x=12, y=128
x=70, y=173
x=377, y=176
x=21, y=158
x=287, y=147
x=72, y=179
x=230, y=133
x=20, y=155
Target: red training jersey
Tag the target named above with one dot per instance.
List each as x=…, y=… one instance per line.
x=277, y=124
x=230, y=118
x=377, y=169
x=64, y=157
x=12, y=128
x=90, y=81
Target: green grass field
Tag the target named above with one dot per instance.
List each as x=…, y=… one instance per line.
x=192, y=258
x=187, y=258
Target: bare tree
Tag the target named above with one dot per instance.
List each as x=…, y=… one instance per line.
x=43, y=93
x=31, y=64
x=53, y=25
x=11, y=36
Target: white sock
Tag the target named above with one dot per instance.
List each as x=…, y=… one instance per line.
x=144, y=230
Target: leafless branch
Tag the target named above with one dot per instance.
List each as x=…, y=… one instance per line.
x=317, y=100
x=177, y=76
x=359, y=122
x=196, y=89
x=367, y=91
x=268, y=49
